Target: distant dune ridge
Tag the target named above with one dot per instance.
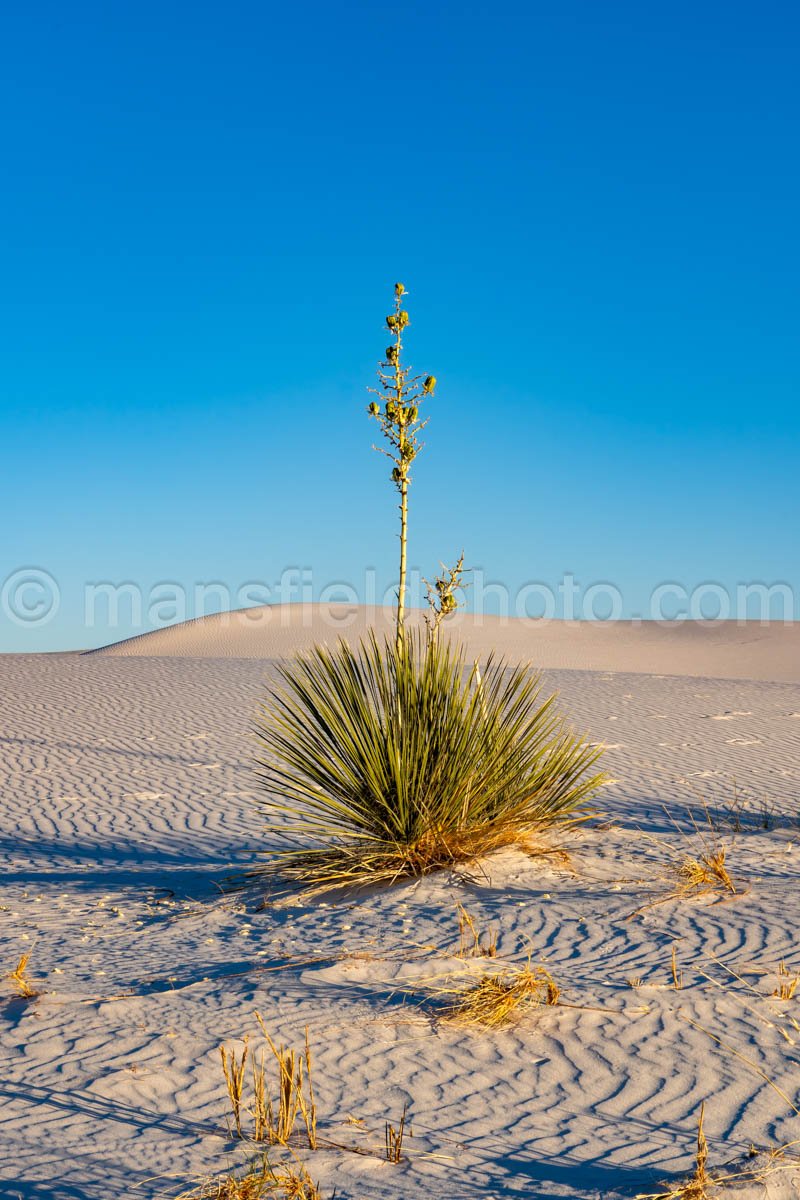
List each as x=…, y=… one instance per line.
x=714, y=650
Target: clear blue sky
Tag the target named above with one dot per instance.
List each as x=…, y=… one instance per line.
x=204, y=208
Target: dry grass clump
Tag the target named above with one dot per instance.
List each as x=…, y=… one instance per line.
x=20, y=980
x=706, y=873
x=285, y=1182
x=787, y=983
x=692, y=876
x=233, y=1070
x=497, y=998
x=395, y=1137
x=274, y=1121
x=471, y=943
x=701, y=867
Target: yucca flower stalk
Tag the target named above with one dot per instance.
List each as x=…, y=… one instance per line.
x=397, y=411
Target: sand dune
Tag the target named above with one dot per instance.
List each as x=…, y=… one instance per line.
x=722, y=650
x=127, y=793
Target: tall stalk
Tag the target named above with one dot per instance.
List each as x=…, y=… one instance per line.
x=397, y=412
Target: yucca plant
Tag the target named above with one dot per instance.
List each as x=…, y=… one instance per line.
x=399, y=757
x=384, y=761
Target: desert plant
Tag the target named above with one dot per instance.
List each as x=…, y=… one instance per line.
x=233, y=1070
x=393, y=760
x=703, y=869
x=295, y=1093
x=677, y=975
x=396, y=758
x=738, y=811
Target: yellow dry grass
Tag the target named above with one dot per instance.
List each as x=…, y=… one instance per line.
x=472, y=945
x=395, y=1137
x=284, y=1182
x=705, y=873
x=699, y=869
x=677, y=976
x=295, y=1094
x=497, y=998
x=274, y=1120
x=787, y=983
x=317, y=871
x=20, y=980
x=233, y=1069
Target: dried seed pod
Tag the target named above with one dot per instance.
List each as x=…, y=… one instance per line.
x=398, y=290
x=403, y=318
x=391, y=354
x=413, y=413
x=429, y=384
x=374, y=409
x=391, y=321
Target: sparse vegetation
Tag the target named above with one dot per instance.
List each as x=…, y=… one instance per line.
x=737, y=810
x=233, y=1070
x=755, y=1168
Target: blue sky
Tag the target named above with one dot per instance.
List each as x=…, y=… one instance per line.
x=594, y=209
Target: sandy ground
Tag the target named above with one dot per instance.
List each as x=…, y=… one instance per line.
x=128, y=794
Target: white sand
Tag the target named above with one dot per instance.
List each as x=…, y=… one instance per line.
x=127, y=793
